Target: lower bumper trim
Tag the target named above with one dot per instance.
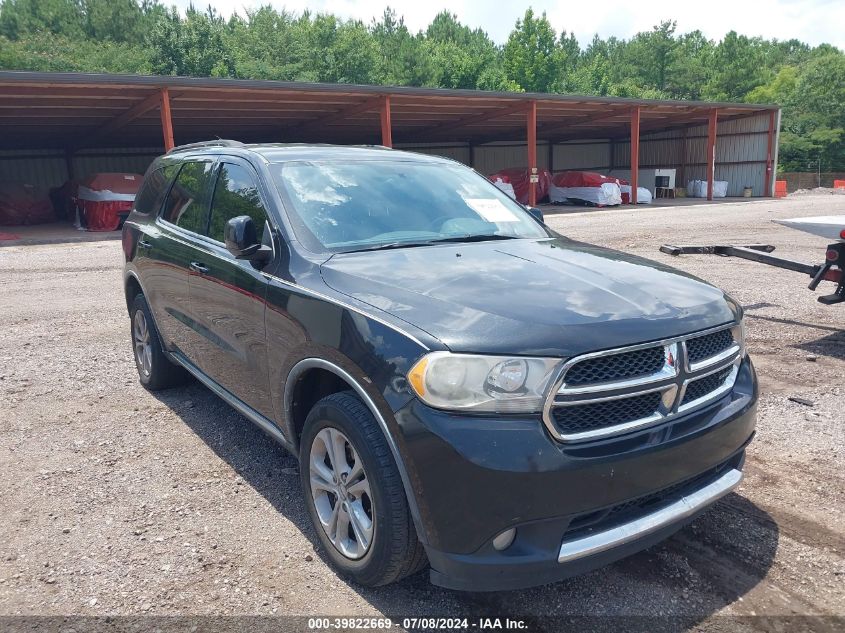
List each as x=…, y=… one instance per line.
x=682, y=508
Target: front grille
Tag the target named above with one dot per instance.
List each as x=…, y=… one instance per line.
x=701, y=387
x=633, y=509
x=598, y=415
x=707, y=346
x=642, y=362
x=629, y=389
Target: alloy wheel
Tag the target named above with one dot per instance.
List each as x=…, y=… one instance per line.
x=341, y=493
x=141, y=338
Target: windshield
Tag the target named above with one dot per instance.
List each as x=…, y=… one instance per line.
x=347, y=206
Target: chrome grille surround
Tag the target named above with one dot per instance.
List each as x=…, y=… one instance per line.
x=671, y=381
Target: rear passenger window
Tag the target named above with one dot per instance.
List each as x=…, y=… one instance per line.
x=187, y=203
x=152, y=192
x=235, y=194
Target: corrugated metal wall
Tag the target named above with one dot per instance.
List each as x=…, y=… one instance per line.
x=740, y=156
x=492, y=158
x=47, y=168
x=740, y=153
x=582, y=155
x=456, y=151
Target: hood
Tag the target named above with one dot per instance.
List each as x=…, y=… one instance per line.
x=546, y=297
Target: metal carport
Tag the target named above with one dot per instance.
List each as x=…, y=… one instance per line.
x=70, y=116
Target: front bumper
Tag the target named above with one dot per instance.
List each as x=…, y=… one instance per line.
x=475, y=477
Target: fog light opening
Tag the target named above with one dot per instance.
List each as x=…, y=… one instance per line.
x=504, y=540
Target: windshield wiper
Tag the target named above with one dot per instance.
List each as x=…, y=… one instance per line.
x=389, y=246
x=456, y=238
x=474, y=238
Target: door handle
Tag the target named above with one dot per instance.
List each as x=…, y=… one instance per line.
x=144, y=244
x=199, y=267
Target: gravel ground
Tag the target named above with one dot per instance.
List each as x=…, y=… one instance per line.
x=116, y=501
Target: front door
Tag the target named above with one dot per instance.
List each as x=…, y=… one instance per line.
x=228, y=295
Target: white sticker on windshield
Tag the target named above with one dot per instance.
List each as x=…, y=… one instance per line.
x=491, y=209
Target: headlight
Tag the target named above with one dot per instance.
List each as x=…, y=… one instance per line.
x=738, y=332
x=483, y=383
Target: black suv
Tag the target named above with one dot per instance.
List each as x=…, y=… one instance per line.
x=462, y=385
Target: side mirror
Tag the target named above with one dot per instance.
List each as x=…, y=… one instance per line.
x=537, y=214
x=241, y=240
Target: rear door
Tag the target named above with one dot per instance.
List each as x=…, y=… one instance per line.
x=228, y=295
x=173, y=246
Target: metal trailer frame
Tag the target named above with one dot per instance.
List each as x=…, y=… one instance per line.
x=830, y=270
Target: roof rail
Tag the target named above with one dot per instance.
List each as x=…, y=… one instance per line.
x=220, y=142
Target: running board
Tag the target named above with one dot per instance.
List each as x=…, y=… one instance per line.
x=265, y=424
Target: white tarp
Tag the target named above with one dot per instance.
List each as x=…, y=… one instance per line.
x=105, y=195
x=506, y=187
x=643, y=194
x=698, y=188
x=607, y=195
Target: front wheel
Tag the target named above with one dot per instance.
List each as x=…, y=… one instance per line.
x=355, y=495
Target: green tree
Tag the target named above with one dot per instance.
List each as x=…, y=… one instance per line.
x=403, y=58
x=813, y=126
x=460, y=54
x=690, y=66
x=738, y=66
x=532, y=54
x=115, y=20
x=650, y=55
x=59, y=17
x=195, y=46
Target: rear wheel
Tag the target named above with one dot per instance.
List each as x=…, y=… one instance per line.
x=355, y=495
x=155, y=370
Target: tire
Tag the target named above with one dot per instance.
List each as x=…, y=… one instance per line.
x=155, y=369
x=394, y=551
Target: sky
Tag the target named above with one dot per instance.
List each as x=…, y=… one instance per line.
x=811, y=21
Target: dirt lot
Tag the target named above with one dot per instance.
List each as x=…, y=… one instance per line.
x=117, y=501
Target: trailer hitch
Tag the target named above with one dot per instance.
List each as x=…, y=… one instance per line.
x=831, y=270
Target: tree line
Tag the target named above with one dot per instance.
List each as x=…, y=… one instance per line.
x=147, y=37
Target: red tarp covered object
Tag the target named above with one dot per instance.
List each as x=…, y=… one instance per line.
x=103, y=198
x=581, y=179
x=585, y=186
x=519, y=178
x=23, y=204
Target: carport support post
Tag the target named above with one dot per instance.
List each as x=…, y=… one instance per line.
x=767, y=184
x=531, y=123
x=711, y=150
x=635, y=152
x=166, y=121
x=386, y=128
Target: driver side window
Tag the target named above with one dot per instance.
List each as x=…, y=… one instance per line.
x=235, y=193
